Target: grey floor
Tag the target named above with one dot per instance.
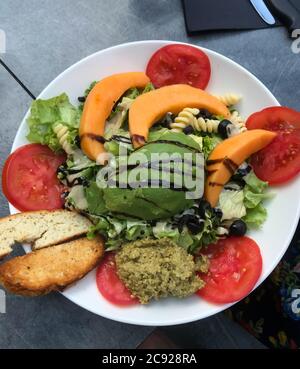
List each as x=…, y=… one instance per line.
x=46, y=36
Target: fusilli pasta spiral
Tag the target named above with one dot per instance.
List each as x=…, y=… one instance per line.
x=62, y=133
x=206, y=125
x=229, y=99
x=238, y=122
x=187, y=117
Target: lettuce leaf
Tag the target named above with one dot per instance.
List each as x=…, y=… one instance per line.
x=44, y=114
x=246, y=203
x=254, y=184
x=118, y=231
x=165, y=229
x=251, y=199
x=130, y=95
x=209, y=143
x=118, y=117
x=94, y=198
x=149, y=87
x=254, y=195
x=185, y=239
x=108, y=226
x=137, y=229
x=255, y=217
x=232, y=204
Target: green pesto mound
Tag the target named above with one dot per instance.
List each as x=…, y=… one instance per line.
x=152, y=269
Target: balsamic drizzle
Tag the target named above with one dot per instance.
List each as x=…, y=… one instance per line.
x=229, y=164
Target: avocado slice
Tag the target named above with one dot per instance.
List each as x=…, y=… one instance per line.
x=158, y=201
x=145, y=203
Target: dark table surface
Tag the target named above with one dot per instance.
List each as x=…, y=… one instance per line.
x=45, y=37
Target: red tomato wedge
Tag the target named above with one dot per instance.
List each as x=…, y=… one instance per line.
x=279, y=162
x=177, y=63
x=110, y=285
x=29, y=179
x=235, y=266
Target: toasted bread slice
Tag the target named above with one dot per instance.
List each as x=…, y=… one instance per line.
x=41, y=228
x=52, y=268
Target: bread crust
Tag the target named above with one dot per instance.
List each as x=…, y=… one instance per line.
x=51, y=268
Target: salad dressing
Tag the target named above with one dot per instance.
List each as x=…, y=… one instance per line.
x=230, y=165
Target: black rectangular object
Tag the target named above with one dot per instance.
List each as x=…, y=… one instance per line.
x=209, y=15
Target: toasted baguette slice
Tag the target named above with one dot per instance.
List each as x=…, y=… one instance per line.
x=52, y=268
x=41, y=228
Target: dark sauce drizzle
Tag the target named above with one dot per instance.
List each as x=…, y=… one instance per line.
x=155, y=165
x=146, y=184
x=102, y=140
x=230, y=165
x=139, y=138
x=215, y=184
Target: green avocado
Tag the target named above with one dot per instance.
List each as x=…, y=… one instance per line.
x=166, y=134
x=145, y=203
x=154, y=202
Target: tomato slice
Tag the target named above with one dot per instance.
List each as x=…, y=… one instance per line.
x=29, y=179
x=177, y=63
x=110, y=285
x=235, y=266
x=279, y=162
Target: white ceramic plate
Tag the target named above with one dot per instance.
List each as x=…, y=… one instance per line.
x=284, y=209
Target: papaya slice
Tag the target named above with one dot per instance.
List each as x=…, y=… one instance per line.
x=99, y=105
x=148, y=108
x=228, y=156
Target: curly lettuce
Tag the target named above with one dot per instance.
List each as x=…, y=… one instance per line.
x=192, y=243
x=255, y=217
x=232, y=204
x=254, y=195
x=209, y=143
x=117, y=231
x=45, y=114
x=246, y=203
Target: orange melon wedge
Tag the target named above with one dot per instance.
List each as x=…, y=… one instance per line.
x=99, y=105
x=148, y=108
x=228, y=156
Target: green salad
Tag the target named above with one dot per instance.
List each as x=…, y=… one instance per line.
x=123, y=214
